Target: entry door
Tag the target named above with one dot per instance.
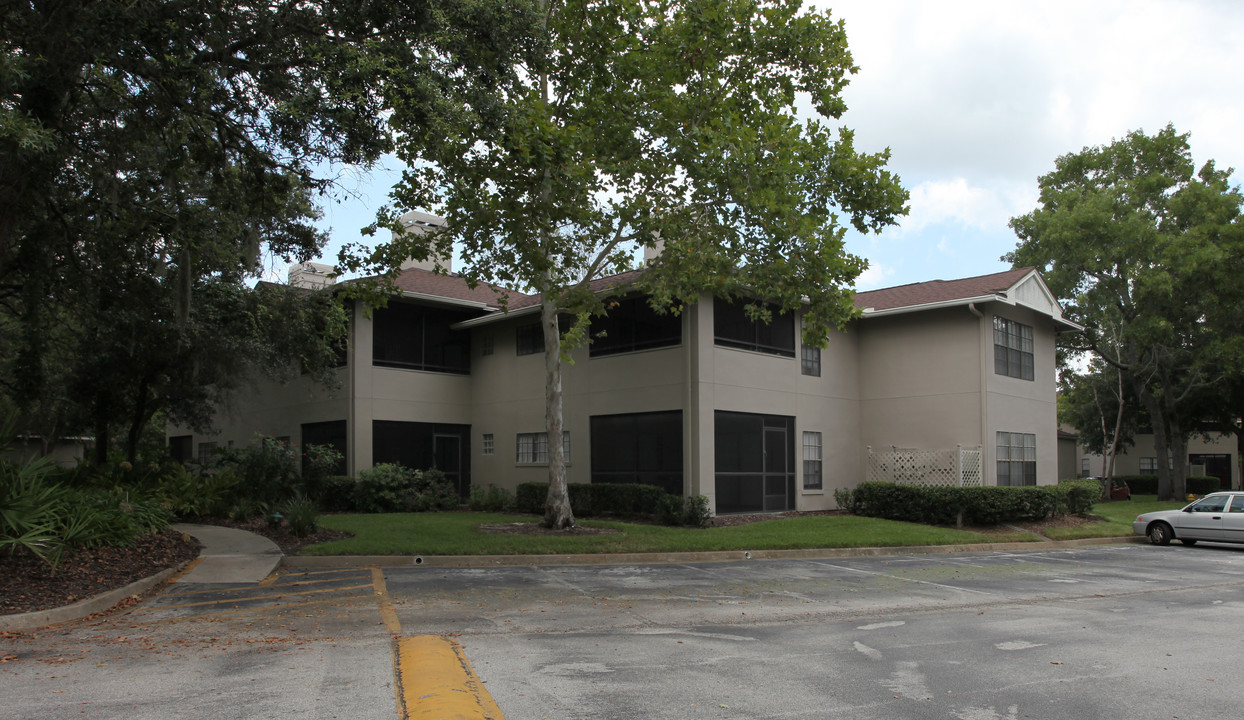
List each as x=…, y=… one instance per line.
x=776, y=468
x=447, y=457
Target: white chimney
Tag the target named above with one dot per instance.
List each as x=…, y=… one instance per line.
x=420, y=223
x=311, y=275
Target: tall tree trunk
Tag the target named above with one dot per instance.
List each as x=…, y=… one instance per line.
x=101, y=433
x=137, y=422
x=1166, y=488
x=557, y=512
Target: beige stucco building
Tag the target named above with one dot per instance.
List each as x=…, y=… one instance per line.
x=707, y=403
x=1209, y=453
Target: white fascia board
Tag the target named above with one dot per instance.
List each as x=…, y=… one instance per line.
x=495, y=316
x=963, y=302
x=957, y=302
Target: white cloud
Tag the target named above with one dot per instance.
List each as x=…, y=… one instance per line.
x=874, y=277
x=957, y=201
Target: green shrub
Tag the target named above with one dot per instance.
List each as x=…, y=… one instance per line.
x=965, y=505
x=491, y=499
x=383, y=488
x=431, y=491
x=337, y=494
x=670, y=510
x=319, y=468
x=301, y=514
x=44, y=518
x=697, y=513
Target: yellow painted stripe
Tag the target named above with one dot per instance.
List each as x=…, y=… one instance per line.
x=179, y=575
x=391, y=623
x=439, y=684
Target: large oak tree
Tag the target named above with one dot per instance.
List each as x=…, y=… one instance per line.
x=1146, y=253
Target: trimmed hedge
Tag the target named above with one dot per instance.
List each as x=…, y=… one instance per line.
x=588, y=499
x=967, y=505
x=1148, y=484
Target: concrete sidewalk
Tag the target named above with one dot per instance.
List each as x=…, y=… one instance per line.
x=230, y=556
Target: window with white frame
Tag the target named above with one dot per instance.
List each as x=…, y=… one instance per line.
x=1012, y=349
x=1149, y=465
x=486, y=346
x=812, y=461
x=1084, y=467
x=533, y=448
x=1017, y=459
x=488, y=444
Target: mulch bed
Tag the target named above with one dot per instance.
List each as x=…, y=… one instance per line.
x=28, y=584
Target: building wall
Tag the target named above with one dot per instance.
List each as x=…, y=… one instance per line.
x=384, y=393
x=920, y=380
x=508, y=398
x=737, y=380
x=1023, y=406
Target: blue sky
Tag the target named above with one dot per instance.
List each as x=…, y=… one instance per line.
x=977, y=99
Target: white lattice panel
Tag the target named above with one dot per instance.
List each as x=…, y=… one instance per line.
x=910, y=466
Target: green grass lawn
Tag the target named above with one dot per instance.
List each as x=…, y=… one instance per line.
x=1116, y=517
x=458, y=533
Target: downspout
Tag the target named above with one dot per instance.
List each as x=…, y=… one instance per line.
x=984, y=361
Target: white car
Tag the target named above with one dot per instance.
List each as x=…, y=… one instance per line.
x=1217, y=517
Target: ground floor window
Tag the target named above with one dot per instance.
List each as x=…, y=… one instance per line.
x=812, y=461
x=1216, y=465
x=755, y=459
x=639, y=448
x=420, y=445
x=533, y=448
x=1017, y=459
x=332, y=433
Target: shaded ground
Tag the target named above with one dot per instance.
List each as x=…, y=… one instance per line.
x=28, y=583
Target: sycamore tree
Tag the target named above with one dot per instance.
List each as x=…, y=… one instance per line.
x=703, y=126
x=1146, y=253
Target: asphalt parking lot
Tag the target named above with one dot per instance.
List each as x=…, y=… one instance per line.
x=1127, y=631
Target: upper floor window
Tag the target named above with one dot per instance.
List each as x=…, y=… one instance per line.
x=420, y=338
x=630, y=325
x=810, y=363
x=733, y=328
x=529, y=339
x=1012, y=349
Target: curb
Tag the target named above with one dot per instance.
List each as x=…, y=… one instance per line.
x=478, y=561
x=25, y=622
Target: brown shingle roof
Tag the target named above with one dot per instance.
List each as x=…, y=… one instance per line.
x=938, y=291
x=424, y=282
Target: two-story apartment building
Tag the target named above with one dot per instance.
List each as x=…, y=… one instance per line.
x=708, y=402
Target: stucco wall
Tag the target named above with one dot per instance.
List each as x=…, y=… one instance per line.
x=1024, y=406
x=920, y=380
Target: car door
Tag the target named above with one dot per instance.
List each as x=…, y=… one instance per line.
x=1233, y=520
x=1203, y=520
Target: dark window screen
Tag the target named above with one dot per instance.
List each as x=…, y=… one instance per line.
x=630, y=325
x=733, y=328
x=419, y=338
x=639, y=448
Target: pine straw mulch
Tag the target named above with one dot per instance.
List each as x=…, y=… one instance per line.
x=28, y=584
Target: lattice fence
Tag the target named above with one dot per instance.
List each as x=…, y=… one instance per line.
x=956, y=467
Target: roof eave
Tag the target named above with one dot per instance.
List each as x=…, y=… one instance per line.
x=495, y=316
